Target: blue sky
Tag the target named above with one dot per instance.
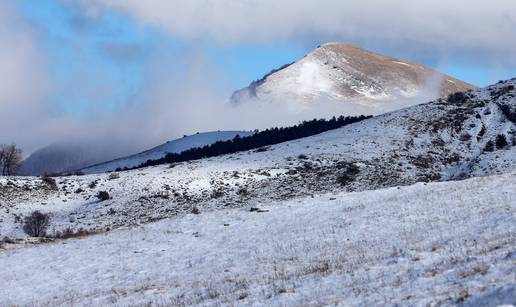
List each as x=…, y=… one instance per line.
x=78, y=47
x=114, y=49
x=111, y=51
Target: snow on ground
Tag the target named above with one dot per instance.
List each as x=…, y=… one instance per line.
x=447, y=242
x=431, y=142
x=438, y=243
x=175, y=146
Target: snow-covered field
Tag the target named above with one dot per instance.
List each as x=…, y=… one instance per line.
x=438, y=243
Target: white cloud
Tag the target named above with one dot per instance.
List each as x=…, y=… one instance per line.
x=23, y=81
x=29, y=112
x=479, y=26
x=192, y=99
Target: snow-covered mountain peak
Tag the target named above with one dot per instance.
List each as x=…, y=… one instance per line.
x=351, y=74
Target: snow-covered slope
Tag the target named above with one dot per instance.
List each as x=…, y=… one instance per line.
x=435, y=244
x=175, y=146
x=346, y=73
x=437, y=141
x=292, y=224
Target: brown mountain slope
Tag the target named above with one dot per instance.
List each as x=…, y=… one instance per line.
x=345, y=72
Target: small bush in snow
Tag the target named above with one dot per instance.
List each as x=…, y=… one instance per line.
x=217, y=193
x=489, y=146
x=103, y=195
x=457, y=98
x=348, y=172
x=509, y=112
x=465, y=137
x=114, y=176
x=501, y=141
x=71, y=233
x=481, y=133
x=93, y=184
x=35, y=225
x=7, y=240
x=243, y=192
x=262, y=149
x=302, y=157
x=50, y=182
x=196, y=210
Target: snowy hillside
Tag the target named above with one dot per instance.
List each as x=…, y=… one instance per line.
x=352, y=216
x=423, y=245
x=175, y=146
x=372, y=83
x=437, y=141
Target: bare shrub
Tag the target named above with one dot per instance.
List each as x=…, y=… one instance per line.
x=217, y=193
x=35, y=225
x=243, y=192
x=501, y=141
x=114, y=176
x=489, y=146
x=465, y=137
x=50, y=182
x=103, y=195
x=7, y=240
x=196, y=210
x=262, y=149
x=347, y=173
x=93, y=184
x=457, y=98
x=71, y=233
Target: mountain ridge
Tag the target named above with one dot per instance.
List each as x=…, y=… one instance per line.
x=348, y=73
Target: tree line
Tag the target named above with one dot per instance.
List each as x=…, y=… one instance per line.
x=259, y=139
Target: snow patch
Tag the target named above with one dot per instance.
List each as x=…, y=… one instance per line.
x=402, y=63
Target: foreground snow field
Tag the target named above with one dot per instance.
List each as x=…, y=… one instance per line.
x=449, y=243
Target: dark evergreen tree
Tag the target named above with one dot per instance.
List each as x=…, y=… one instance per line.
x=259, y=139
